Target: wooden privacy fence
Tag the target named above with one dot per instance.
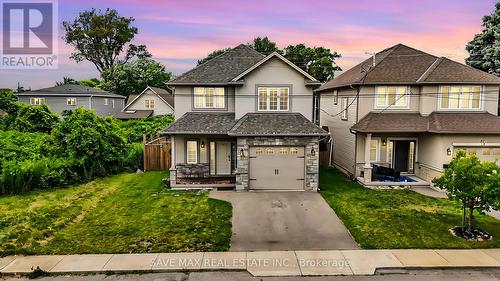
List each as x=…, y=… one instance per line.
x=157, y=155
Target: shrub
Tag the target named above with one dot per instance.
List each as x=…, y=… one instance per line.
x=95, y=141
x=28, y=118
x=135, y=156
x=132, y=130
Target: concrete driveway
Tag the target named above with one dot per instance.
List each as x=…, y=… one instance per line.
x=284, y=221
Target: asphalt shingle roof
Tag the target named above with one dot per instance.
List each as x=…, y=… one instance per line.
x=275, y=124
x=70, y=90
x=221, y=69
x=436, y=122
x=133, y=114
x=401, y=64
x=202, y=123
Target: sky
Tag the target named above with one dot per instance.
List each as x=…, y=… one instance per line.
x=179, y=32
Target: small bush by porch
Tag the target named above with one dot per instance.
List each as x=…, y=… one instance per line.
x=399, y=218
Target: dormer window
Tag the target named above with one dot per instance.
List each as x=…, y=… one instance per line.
x=209, y=98
x=391, y=96
x=460, y=97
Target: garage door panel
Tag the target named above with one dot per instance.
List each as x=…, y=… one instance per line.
x=277, y=168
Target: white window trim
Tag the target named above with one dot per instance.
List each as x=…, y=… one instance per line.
x=196, y=152
x=344, y=107
x=481, y=99
x=106, y=101
x=71, y=99
x=147, y=104
x=39, y=101
x=268, y=99
x=377, y=156
x=204, y=98
x=393, y=106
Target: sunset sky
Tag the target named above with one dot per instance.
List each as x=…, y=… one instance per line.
x=179, y=32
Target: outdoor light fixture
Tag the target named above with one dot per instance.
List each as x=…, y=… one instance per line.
x=202, y=144
x=448, y=151
x=242, y=152
x=313, y=152
x=384, y=142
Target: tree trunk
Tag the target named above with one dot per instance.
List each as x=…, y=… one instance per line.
x=471, y=218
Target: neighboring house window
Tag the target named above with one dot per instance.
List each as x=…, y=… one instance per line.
x=209, y=97
x=335, y=97
x=192, y=152
x=460, y=97
x=37, y=101
x=106, y=101
x=273, y=99
x=71, y=101
x=149, y=104
x=374, y=150
x=344, y=104
x=393, y=96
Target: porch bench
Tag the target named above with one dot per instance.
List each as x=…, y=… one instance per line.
x=380, y=173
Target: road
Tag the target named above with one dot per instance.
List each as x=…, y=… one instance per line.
x=416, y=275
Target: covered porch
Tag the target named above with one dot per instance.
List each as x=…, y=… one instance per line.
x=203, y=154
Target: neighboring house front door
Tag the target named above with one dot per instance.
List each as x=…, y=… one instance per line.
x=404, y=156
x=223, y=160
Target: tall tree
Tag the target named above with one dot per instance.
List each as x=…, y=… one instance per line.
x=212, y=55
x=264, y=46
x=92, y=82
x=133, y=77
x=100, y=37
x=484, y=49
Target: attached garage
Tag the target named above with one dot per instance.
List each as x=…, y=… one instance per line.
x=277, y=168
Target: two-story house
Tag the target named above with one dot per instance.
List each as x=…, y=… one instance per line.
x=409, y=111
x=68, y=97
x=151, y=102
x=243, y=120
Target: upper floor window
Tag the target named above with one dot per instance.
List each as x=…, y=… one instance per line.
x=209, y=97
x=344, y=105
x=106, y=101
x=273, y=98
x=149, y=104
x=460, y=97
x=393, y=96
x=71, y=101
x=37, y=101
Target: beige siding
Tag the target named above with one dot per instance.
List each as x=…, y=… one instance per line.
x=275, y=72
x=343, y=140
x=161, y=108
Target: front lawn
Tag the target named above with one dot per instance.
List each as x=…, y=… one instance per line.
x=398, y=218
x=126, y=213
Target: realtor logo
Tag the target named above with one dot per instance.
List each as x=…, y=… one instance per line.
x=29, y=34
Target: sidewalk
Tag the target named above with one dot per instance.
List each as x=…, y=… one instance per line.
x=280, y=263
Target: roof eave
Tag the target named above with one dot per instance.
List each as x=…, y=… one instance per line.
x=205, y=83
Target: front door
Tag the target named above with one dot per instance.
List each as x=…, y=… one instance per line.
x=401, y=157
x=223, y=158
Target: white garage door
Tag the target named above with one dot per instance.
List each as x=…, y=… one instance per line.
x=277, y=167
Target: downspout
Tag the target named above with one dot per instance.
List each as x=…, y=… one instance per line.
x=356, y=136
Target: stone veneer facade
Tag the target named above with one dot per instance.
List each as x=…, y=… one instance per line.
x=312, y=161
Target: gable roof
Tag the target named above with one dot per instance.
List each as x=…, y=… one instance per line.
x=436, y=122
x=277, y=55
x=163, y=94
x=221, y=69
x=70, y=90
x=401, y=64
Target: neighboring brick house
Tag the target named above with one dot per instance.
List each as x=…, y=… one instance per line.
x=151, y=102
x=410, y=111
x=243, y=120
x=68, y=97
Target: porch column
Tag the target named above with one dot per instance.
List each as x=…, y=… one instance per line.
x=367, y=167
x=173, y=171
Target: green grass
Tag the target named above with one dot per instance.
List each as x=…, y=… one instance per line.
x=126, y=213
x=399, y=218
